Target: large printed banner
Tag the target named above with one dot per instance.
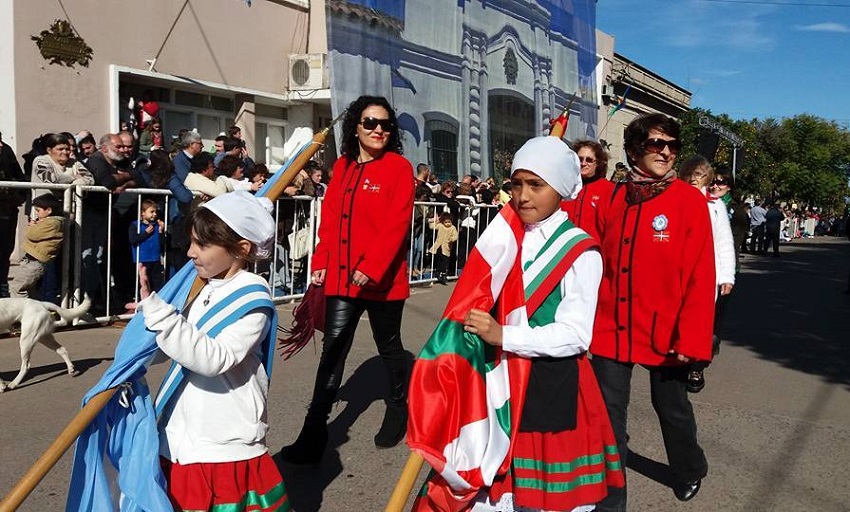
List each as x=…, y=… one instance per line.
x=471, y=80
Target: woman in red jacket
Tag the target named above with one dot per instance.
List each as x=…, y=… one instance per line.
x=587, y=210
x=361, y=260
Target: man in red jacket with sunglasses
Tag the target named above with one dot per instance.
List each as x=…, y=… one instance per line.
x=656, y=299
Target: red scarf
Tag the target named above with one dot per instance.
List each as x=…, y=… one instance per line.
x=640, y=187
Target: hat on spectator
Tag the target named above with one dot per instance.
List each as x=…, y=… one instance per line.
x=551, y=159
x=249, y=216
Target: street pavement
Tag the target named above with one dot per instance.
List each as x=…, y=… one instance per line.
x=774, y=418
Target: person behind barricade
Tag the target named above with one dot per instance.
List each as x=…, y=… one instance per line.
x=202, y=178
x=361, y=260
x=620, y=172
x=10, y=200
x=213, y=427
x=698, y=172
x=152, y=137
x=86, y=147
x=564, y=434
x=417, y=231
x=311, y=181
x=190, y=145
x=41, y=244
x=231, y=168
x=445, y=239
x=145, y=236
x=586, y=210
x=57, y=166
x=260, y=174
x=656, y=299
x=72, y=144
x=95, y=217
x=468, y=215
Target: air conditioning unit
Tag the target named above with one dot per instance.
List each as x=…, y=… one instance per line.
x=308, y=71
x=607, y=91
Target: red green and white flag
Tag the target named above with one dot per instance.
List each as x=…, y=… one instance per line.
x=465, y=395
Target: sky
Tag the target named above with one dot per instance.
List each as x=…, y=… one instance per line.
x=747, y=59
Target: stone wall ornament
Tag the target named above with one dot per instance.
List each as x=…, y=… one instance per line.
x=511, y=66
x=62, y=45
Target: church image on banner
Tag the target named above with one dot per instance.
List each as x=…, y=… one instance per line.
x=471, y=80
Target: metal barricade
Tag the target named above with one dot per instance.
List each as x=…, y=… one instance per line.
x=288, y=271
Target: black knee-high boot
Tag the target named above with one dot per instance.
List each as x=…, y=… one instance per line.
x=394, y=426
x=341, y=322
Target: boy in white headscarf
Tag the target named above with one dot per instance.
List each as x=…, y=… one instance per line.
x=564, y=456
x=213, y=427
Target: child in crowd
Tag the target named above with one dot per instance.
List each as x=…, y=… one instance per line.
x=146, y=244
x=563, y=421
x=446, y=235
x=213, y=427
x=42, y=242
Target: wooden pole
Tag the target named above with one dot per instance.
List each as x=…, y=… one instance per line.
x=81, y=421
x=405, y=483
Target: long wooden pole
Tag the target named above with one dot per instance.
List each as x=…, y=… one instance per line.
x=81, y=421
x=405, y=483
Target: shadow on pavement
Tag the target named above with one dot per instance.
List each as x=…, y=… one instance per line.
x=649, y=468
x=52, y=371
x=305, y=485
x=793, y=309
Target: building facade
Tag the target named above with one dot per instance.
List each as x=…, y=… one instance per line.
x=209, y=65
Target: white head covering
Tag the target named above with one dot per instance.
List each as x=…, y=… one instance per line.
x=552, y=160
x=247, y=215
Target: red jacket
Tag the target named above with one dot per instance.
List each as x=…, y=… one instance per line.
x=587, y=210
x=657, y=290
x=365, y=223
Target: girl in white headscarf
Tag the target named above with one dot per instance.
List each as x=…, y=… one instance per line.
x=564, y=456
x=213, y=427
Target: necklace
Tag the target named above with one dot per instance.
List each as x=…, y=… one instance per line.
x=207, y=300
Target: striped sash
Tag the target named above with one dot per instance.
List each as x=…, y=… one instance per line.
x=552, y=263
x=223, y=313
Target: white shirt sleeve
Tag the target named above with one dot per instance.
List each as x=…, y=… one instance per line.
x=196, y=351
x=571, y=332
x=724, y=244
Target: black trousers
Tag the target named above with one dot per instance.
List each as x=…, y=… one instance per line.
x=757, y=241
x=771, y=240
x=675, y=414
x=342, y=316
x=8, y=227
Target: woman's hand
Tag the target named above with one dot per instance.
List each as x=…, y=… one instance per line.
x=318, y=277
x=726, y=288
x=359, y=278
x=485, y=326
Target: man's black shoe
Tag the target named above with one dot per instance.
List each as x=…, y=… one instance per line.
x=686, y=491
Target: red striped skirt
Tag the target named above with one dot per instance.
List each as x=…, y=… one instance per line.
x=253, y=485
x=565, y=470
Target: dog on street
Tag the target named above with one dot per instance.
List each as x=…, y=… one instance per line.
x=36, y=327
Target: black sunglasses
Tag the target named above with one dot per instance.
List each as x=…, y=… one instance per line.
x=370, y=123
x=658, y=145
x=720, y=183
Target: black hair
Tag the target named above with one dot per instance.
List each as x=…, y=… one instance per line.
x=160, y=168
x=48, y=200
x=231, y=143
x=638, y=131
x=350, y=144
x=201, y=162
x=51, y=140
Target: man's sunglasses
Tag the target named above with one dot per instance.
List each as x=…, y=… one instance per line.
x=658, y=145
x=370, y=123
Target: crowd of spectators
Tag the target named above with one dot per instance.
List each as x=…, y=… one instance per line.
x=136, y=158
